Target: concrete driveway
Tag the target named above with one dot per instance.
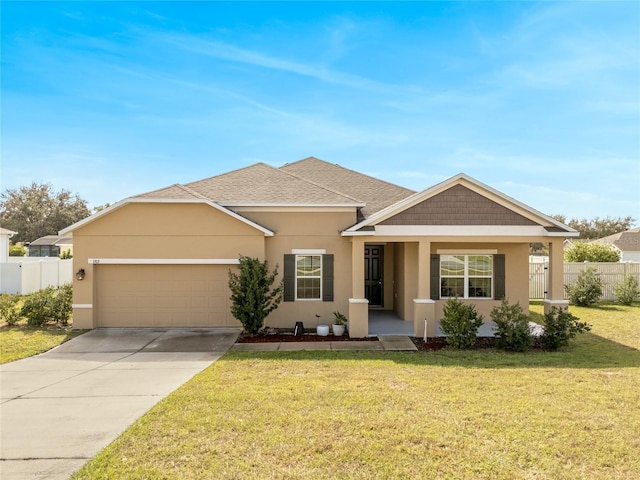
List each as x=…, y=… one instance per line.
x=60, y=408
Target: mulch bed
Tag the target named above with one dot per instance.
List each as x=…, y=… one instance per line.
x=289, y=337
x=438, y=343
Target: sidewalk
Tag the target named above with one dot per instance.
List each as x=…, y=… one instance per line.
x=396, y=343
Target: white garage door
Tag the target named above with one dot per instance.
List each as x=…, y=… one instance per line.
x=163, y=296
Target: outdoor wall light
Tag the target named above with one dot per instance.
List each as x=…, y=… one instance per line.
x=80, y=274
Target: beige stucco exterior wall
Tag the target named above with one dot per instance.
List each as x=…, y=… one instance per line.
x=199, y=231
x=308, y=230
x=156, y=231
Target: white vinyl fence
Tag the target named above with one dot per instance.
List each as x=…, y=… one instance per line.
x=610, y=273
x=30, y=275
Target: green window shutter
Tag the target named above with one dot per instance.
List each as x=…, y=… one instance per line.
x=289, y=278
x=499, y=277
x=435, y=277
x=327, y=277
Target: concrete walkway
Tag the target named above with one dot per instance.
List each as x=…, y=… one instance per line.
x=385, y=342
x=60, y=408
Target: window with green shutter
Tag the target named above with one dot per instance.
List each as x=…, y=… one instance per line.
x=308, y=277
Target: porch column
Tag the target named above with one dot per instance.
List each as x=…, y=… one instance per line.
x=423, y=306
x=358, y=305
x=555, y=293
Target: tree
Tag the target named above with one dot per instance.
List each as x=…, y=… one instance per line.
x=591, y=252
x=597, y=227
x=99, y=208
x=252, y=298
x=36, y=210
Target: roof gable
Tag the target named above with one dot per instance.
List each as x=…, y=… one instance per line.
x=462, y=201
x=128, y=201
x=458, y=205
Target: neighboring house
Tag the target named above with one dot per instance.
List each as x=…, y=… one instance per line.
x=50, y=246
x=342, y=240
x=5, y=240
x=627, y=243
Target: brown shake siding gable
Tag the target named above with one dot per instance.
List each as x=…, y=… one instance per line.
x=458, y=206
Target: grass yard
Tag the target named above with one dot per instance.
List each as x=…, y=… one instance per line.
x=572, y=414
x=20, y=341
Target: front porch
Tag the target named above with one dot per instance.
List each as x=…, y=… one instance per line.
x=387, y=322
x=405, y=287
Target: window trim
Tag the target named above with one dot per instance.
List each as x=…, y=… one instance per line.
x=466, y=277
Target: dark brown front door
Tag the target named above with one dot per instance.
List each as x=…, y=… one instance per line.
x=373, y=286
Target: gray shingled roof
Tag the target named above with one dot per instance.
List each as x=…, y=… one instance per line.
x=627, y=241
x=53, y=240
x=255, y=185
x=376, y=194
x=173, y=192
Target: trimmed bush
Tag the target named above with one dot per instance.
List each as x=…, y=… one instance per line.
x=512, y=327
x=560, y=326
x=49, y=305
x=252, y=297
x=627, y=290
x=587, y=289
x=9, y=312
x=460, y=323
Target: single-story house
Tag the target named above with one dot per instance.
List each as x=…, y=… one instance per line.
x=343, y=241
x=627, y=243
x=50, y=246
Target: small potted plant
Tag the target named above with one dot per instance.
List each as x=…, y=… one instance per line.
x=339, y=321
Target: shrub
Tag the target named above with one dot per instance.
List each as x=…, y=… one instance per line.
x=587, y=289
x=591, y=252
x=560, y=326
x=49, y=305
x=512, y=327
x=17, y=250
x=66, y=254
x=63, y=305
x=460, y=323
x=627, y=290
x=9, y=313
x=252, y=298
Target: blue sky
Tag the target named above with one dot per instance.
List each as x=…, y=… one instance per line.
x=540, y=100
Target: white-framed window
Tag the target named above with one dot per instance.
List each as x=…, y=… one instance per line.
x=308, y=277
x=466, y=276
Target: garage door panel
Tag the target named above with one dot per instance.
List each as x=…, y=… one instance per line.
x=163, y=295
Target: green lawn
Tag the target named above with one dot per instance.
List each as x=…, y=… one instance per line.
x=20, y=341
x=572, y=414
